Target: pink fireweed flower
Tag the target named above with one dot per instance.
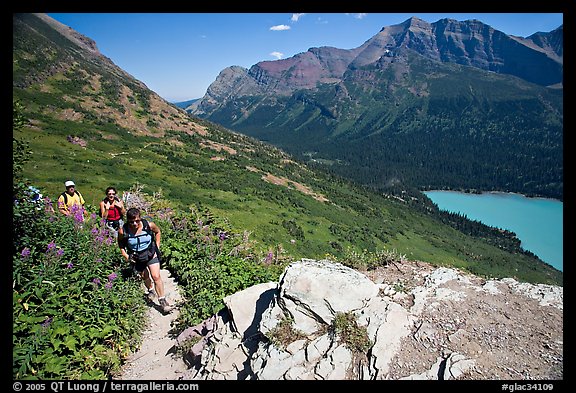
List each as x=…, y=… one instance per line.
x=48, y=208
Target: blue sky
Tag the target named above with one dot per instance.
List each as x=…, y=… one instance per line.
x=178, y=55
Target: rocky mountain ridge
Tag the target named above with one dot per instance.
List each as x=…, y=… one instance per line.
x=538, y=59
x=419, y=105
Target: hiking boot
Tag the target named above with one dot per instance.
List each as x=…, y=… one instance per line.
x=151, y=294
x=166, y=308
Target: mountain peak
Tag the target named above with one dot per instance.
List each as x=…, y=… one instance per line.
x=71, y=34
x=416, y=22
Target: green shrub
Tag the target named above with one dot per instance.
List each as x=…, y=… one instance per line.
x=76, y=313
x=211, y=261
x=346, y=328
x=283, y=334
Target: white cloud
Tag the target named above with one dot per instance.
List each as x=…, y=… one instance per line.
x=295, y=17
x=360, y=15
x=277, y=55
x=280, y=28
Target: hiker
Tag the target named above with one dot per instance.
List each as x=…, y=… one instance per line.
x=112, y=210
x=139, y=242
x=71, y=202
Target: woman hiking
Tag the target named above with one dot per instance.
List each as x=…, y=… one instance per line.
x=139, y=242
x=112, y=210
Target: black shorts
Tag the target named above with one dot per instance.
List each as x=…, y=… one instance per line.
x=113, y=224
x=140, y=266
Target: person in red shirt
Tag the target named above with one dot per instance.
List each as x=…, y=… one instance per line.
x=112, y=210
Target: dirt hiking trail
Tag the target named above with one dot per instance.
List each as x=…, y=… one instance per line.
x=156, y=359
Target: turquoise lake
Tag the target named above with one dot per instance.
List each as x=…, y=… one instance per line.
x=537, y=222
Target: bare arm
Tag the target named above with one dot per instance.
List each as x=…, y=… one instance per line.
x=103, y=210
x=157, y=233
x=62, y=206
x=120, y=204
x=120, y=241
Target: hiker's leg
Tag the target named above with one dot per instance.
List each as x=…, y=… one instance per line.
x=155, y=273
x=145, y=274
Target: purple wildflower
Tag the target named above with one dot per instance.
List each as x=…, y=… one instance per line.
x=98, y=260
x=269, y=257
x=46, y=322
x=79, y=216
x=108, y=285
x=96, y=281
x=94, y=231
x=25, y=252
x=223, y=236
x=93, y=216
x=51, y=246
x=70, y=265
x=60, y=252
x=77, y=212
x=112, y=276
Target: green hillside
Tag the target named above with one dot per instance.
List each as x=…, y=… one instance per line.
x=417, y=122
x=89, y=121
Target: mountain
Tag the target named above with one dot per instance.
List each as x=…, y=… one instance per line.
x=185, y=104
x=90, y=121
x=448, y=104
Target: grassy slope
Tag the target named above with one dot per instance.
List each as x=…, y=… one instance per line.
x=187, y=175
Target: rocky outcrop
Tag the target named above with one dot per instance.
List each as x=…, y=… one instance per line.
x=231, y=81
x=82, y=41
x=419, y=322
